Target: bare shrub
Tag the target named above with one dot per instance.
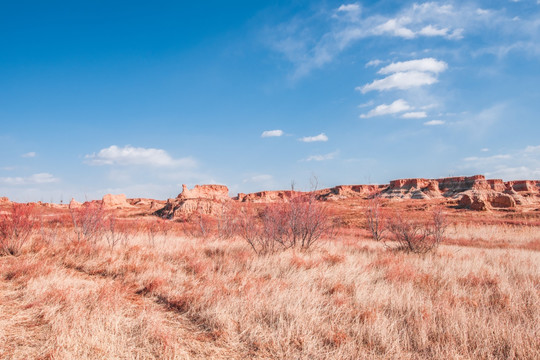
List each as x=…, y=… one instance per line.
x=227, y=221
x=252, y=229
x=308, y=220
x=117, y=232
x=156, y=227
x=88, y=222
x=16, y=228
x=298, y=223
x=415, y=235
x=376, y=218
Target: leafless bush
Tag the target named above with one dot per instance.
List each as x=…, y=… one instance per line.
x=418, y=236
x=117, y=232
x=376, y=218
x=227, y=222
x=156, y=227
x=308, y=220
x=89, y=222
x=16, y=228
x=298, y=223
x=253, y=230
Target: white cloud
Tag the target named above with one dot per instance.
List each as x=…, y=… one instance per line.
x=430, y=30
x=434, y=122
x=415, y=115
x=329, y=156
x=129, y=155
x=484, y=149
x=488, y=158
x=530, y=149
x=40, y=178
x=520, y=164
x=386, y=109
x=375, y=62
x=29, y=155
x=395, y=27
x=272, y=133
x=313, y=41
x=400, y=80
x=349, y=8
x=423, y=65
x=320, y=137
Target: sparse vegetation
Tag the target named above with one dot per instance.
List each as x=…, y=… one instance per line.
x=162, y=294
x=16, y=228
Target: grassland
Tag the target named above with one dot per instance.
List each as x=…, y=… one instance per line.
x=181, y=297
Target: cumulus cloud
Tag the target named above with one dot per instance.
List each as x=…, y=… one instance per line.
x=415, y=115
x=400, y=80
x=30, y=154
x=406, y=75
x=272, y=133
x=35, y=179
x=137, y=156
x=423, y=65
x=320, y=137
x=434, y=122
x=386, y=109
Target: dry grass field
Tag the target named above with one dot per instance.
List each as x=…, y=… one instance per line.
x=168, y=295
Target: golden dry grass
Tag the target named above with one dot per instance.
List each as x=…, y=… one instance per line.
x=349, y=298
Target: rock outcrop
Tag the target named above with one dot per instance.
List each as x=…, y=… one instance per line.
x=471, y=192
x=115, y=202
x=480, y=201
x=202, y=199
x=73, y=204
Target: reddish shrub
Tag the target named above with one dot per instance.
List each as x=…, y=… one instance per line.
x=16, y=228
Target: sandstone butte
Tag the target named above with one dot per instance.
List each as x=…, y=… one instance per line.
x=474, y=193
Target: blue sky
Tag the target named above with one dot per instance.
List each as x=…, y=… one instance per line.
x=137, y=98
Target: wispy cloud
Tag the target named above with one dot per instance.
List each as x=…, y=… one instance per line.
x=35, y=179
x=272, y=133
x=513, y=165
x=424, y=65
x=329, y=156
x=320, y=137
x=414, y=115
x=434, y=122
x=400, y=80
x=137, y=156
x=303, y=43
x=29, y=155
x=386, y=109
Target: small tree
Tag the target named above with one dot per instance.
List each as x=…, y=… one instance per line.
x=16, y=228
x=417, y=236
x=297, y=223
x=376, y=219
x=88, y=222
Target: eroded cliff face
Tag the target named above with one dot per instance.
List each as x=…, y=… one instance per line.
x=473, y=192
x=202, y=199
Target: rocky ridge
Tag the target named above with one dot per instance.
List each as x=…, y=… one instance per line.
x=473, y=192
